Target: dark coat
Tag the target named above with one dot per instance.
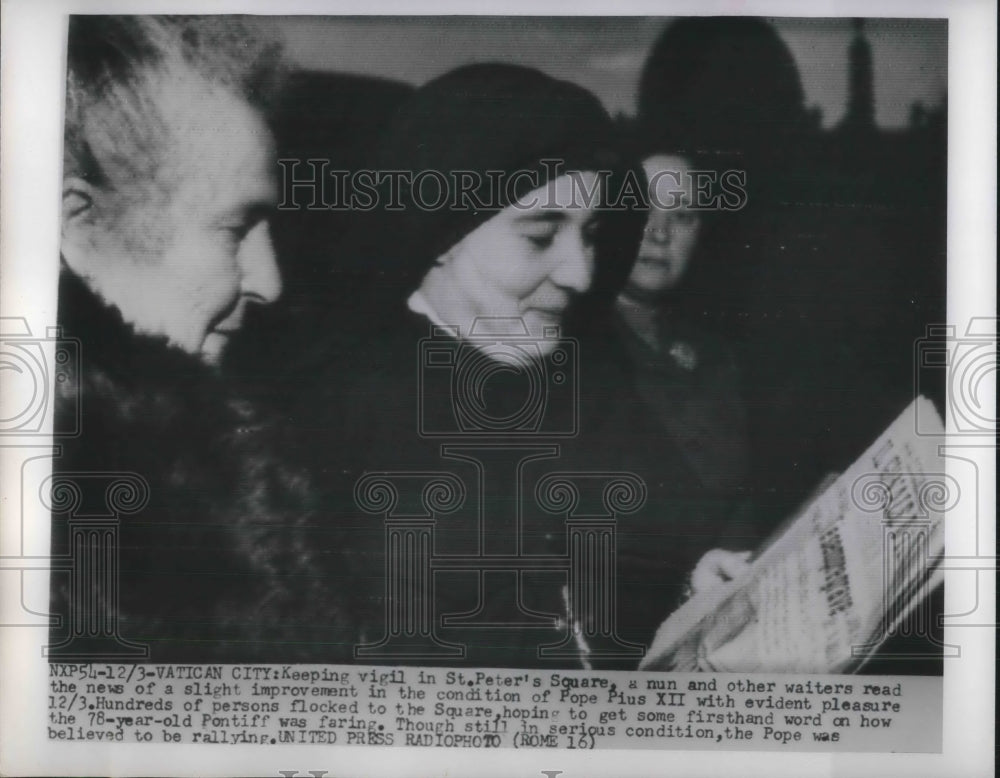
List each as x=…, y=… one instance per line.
x=372, y=391
x=230, y=559
x=691, y=386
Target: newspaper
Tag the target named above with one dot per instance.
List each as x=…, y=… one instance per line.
x=848, y=569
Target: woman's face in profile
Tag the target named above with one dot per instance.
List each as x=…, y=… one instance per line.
x=672, y=227
x=528, y=261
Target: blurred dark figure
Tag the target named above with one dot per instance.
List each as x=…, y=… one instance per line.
x=685, y=374
x=802, y=281
x=727, y=91
x=834, y=267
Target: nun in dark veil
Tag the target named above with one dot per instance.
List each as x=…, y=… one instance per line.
x=503, y=203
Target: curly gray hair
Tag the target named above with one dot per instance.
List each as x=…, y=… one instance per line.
x=117, y=133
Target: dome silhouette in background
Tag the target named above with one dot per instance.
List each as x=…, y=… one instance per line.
x=722, y=86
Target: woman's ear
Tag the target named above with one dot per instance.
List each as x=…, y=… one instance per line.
x=78, y=223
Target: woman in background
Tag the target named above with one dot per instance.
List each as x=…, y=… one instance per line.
x=686, y=376
x=535, y=226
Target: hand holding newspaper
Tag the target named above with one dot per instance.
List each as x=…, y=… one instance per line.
x=836, y=580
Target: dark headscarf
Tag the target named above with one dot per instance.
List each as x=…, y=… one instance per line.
x=497, y=119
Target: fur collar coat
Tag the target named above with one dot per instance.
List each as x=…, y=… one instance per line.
x=231, y=559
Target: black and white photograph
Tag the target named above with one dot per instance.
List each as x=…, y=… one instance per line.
x=594, y=382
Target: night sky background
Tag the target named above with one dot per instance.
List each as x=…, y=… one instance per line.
x=606, y=54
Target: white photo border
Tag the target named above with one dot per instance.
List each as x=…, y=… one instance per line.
x=32, y=59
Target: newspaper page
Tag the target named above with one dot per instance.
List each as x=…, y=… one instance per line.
x=819, y=596
x=373, y=385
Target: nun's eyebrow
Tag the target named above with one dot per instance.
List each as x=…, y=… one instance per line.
x=542, y=216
